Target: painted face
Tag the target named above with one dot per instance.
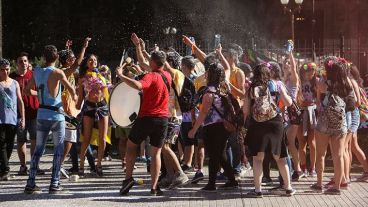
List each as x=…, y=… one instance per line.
x=22, y=63
x=92, y=62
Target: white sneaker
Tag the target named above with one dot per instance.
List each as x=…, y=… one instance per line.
x=64, y=173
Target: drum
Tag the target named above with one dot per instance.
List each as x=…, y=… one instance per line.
x=124, y=104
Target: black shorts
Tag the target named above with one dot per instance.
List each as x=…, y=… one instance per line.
x=96, y=109
x=186, y=141
x=153, y=127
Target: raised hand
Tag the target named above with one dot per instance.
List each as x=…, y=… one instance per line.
x=142, y=43
x=86, y=41
x=218, y=50
x=187, y=41
x=119, y=71
x=135, y=39
x=68, y=44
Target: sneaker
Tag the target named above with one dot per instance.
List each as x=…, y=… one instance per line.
x=312, y=174
x=99, y=171
x=165, y=182
x=107, y=158
x=64, y=172
x=186, y=168
x=179, y=179
x=221, y=176
x=41, y=172
x=296, y=175
x=331, y=184
x=81, y=173
x=316, y=187
x=332, y=191
x=5, y=177
x=127, y=185
x=32, y=190
x=362, y=178
x=23, y=170
x=304, y=174
x=230, y=185
x=280, y=190
x=209, y=188
x=141, y=160
x=197, y=177
x=267, y=181
x=290, y=192
x=72, y=171
x=56, y=189
x=156, y=192
x=254, y=194
x=243, y=171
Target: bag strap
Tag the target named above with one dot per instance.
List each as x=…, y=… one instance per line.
x=165, y=81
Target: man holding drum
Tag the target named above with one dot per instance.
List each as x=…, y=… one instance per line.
x=152, y=118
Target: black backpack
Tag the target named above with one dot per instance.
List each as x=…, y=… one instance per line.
x=187, y=97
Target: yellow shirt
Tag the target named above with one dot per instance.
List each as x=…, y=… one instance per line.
x=200, y=82
x=174, y=107
x=235, y=72
x=69, y=106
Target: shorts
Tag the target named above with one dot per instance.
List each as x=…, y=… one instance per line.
x=96, y=110
x=31, y=128
x=185, y=128
x=153, y=127
x=353, y=120
x=70, y=135
x=122, y=133
x=173, y=131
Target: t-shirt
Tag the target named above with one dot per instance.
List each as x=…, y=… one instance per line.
x=69, y=105
x=155, y=101
x=31, y=103
x=235, y=72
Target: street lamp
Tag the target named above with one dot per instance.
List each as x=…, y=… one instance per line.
x=292, y=12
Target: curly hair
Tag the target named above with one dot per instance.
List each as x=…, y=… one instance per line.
x=261, y=75
x=216, y=78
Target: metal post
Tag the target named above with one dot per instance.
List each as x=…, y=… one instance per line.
x=342, y=46
x=292, y=26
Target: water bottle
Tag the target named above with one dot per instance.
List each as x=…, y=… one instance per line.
x=289, y=46
x=217, y=40
x=189, y=49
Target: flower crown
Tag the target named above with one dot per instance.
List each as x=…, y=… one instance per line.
x=309, y=66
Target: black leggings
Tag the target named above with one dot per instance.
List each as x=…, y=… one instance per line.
x=215, y=139
x=7, y=135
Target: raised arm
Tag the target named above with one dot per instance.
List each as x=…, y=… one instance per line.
x=198, y=52
x=294, y=78
x=69, y=71
x=130, y=82
x=141, y=59
x=224, y=62
x=143, y=47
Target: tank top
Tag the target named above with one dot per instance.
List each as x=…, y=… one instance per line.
x=8, y=104
x=292, y=90
x=307, y=91
x=41, y=76
x=213, y=116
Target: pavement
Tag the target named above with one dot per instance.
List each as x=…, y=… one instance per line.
x=93, y=191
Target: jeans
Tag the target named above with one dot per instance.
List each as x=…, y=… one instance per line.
x=58, y=133
x=233, y=152
x=215, y=138
x=7, y=135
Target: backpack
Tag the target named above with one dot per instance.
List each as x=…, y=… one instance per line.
x=233, y=117
x=263, y=107
x=332, y=120
x=187, y=97
x=363, y=108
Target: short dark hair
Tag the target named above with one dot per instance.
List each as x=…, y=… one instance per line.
x=245, y=68
x=230, y=52
x=159, y=57
x=22, y=54
x=188, y=61
x=50, y=53
x=4, y=62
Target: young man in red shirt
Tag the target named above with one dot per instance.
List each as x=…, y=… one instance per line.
x=23, y=75
x=152, y=119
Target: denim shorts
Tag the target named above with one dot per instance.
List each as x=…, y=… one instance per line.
x=353, y=120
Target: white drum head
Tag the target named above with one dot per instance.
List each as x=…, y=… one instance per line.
x=124, y=104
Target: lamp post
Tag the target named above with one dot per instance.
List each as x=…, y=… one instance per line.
x=292, y=12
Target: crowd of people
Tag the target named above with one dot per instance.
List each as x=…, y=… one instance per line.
x=199, y=105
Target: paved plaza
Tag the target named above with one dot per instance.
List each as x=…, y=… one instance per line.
x=105, y=191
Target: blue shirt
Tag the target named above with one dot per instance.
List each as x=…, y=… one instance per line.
x=41, y=76
x=8, y=104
